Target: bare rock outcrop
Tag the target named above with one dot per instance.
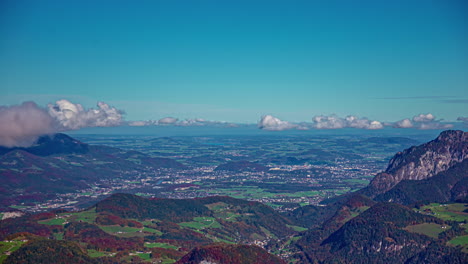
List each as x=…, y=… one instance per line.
x=423, y=161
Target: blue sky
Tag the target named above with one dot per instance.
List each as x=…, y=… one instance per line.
x=238, y=60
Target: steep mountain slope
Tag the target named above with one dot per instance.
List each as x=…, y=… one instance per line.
x=446, y=186
x=421, y=162
x=338, y=212
x=378, y=235
x=433, y=172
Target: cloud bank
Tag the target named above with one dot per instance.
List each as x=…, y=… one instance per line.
x=167, y=120
x=171, y=121
x=72, y=116
x=423, y=118
x=405, y=123
x=422, y=121
x=463, y=119
x=335, y=122
x=269, y=122
x=21, y=125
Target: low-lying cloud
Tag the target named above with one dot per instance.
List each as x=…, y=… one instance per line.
x=172, y=121
x=424, y=118
x=72, y=116
x=405, y=123
x=269, y=122
x=422, y=121
x=335, y=122
x=21, y=125
x=168, y=120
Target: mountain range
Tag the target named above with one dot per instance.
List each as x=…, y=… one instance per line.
x=60, y=164
x=395, y=219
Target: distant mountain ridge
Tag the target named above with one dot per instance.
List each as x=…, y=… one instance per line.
x=52, y=144
x=61, y=164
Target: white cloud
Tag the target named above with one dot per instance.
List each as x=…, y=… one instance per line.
x=72, y=116
x=422, y=121
x=335, y=122
x=375, y=125
x=21, y=125
x=405, y=123
x=272, y=123
x=423, y=118
x=167, y=120
x=434, y=125
x=328, y=122
x=138, y=123
x=201, y=122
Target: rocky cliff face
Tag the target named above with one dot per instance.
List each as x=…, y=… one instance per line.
x=423, y=161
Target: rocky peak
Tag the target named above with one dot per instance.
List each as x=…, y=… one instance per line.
x=423, y=161
x=450, y=136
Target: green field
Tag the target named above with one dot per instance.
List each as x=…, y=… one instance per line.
x=8, y=247
x=453, y=212
x=152, y=230
x=96, y=254
x=221, y=211
x=18, y=206
x=145, y=256
x=58, y=236
x=231, y=217
x=253, y=192
x=122, y=229
x=201, y=223
x=358, y=181
x=219, y=206
x=160, y=245
x=297, y=228
x=460, y=241
x=85, y=216
x=428, y=229
x=54, y=221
